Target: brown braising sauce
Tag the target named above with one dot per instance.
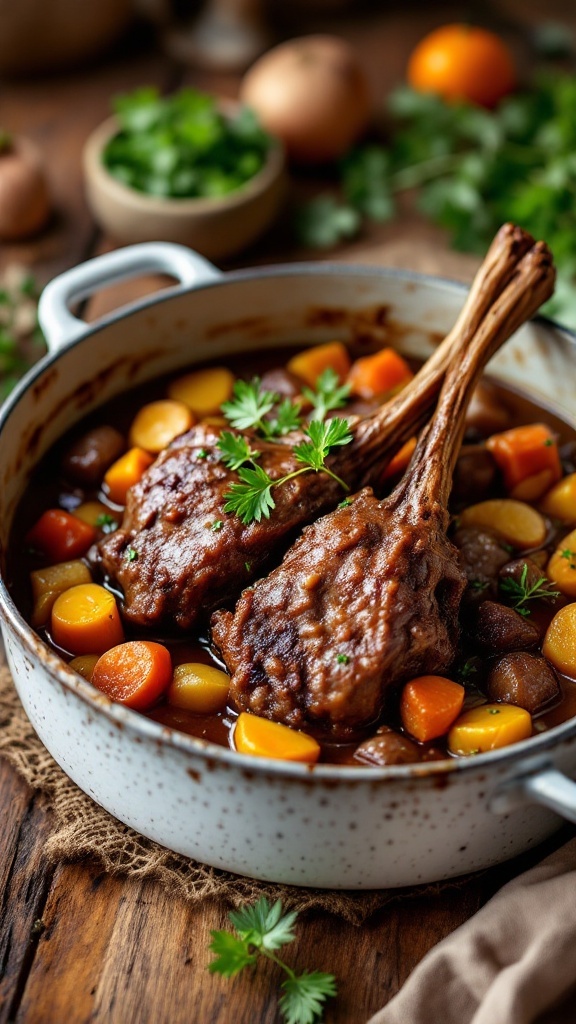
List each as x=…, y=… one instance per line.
x=49, y=489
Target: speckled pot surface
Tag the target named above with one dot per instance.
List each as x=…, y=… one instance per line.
x=319, y=826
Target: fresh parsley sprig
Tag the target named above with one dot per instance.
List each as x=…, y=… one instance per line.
x=329, y=394
x=251, y=499
x=236, y=450
x=249, y=405
x=262, y=929
x=521, y=591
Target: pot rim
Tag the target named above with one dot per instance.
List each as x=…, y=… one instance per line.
x=147, y=729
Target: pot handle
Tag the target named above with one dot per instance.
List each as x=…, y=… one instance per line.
x=546, y=786
x=61, y=327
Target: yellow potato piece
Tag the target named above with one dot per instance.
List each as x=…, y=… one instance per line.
x=91, y=512
x=84, y=665
x=561, y=568
x=49, y=583
x=488, y=727
x=262, y=738
x=518, y=523
x=203, y=391
x=560, y=501
x=200, y=688
x=158, y=423
x=559, y=646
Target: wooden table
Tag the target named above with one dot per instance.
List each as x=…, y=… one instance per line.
x=79, y=946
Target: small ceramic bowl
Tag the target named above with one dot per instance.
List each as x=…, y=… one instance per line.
x=215, y=227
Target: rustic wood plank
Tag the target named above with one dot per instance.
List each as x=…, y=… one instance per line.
x=24, y=881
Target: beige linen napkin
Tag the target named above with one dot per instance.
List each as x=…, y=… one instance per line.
x=513, y=960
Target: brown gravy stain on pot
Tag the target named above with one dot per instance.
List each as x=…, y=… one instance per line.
x=195, y=775
x=255, y=326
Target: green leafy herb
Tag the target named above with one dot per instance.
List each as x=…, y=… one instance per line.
x=217, y=525
x=251, y=499
x=21, y=340
x=235, y=450
x=249, y=405
x=323, y=436
x=262, y=929
x=328, y=394
x=201, y=453
x=342, y=659
x=470, y=170
x=493, y=711
x=248, y=566
x=106, y=523
x=548, y=442
x=520, y=592
x=479, y=585
x=323, y=222
x=286, y=420
x=131, y=554
x=467, y=670
x=345, y=503
x=570, y=556
x=183, y=146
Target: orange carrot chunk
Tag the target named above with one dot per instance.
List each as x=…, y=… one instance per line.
x=528, y=458
x=259, y=736
x=126, y=472
x=311, y=363
x=85, y=620
x=135, y=673
x=374, y=375
x=60, y=536
x=429, y=705
x=399, y=464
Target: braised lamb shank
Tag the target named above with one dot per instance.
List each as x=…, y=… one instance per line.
x=184, y=568
x=369, y=596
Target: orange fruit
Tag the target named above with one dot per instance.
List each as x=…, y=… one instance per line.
x=461, y=62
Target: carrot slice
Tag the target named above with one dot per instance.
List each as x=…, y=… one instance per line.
x=429, y=705
x=399, y=464
x=259, y=736
x=373, y=375
x=158, y=423
x=311, y=363
x=125, y=472
x=85, y=620
x=135, y=673
x=489, y=727
x=529, y=451
x=60, y=536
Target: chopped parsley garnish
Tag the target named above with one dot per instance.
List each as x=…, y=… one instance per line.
x=345, y=503
x=248, y=566
x=479, y=585
x=217, y=525
x=329, y=394
x=570, y=556
x=131, y=554
x=106, y=523
x=251, y=499
x=201, y=453
x=548, y=442
x=342, y=659
x=261, y=930
x=520, y=592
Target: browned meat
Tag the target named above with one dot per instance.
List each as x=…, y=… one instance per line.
x=387, y=747
x=283, y=382
x=369, y=596
x=481, y=556
x=474, y=475
x=523, y=679
x=496, y=627
x=192, y=557
x=89, y=457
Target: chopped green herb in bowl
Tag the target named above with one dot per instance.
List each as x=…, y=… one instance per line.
x=184, y=168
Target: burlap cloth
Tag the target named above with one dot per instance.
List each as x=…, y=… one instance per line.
x=81, y=829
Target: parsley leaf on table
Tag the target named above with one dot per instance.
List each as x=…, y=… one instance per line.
x=261, y=930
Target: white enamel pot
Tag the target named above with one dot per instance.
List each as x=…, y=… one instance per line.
x=325, y=826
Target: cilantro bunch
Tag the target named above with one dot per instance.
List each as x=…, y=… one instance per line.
x=183, y=146
x=472, y=170
x=261, y=930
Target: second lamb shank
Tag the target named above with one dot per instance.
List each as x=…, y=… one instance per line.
x=369, y=596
